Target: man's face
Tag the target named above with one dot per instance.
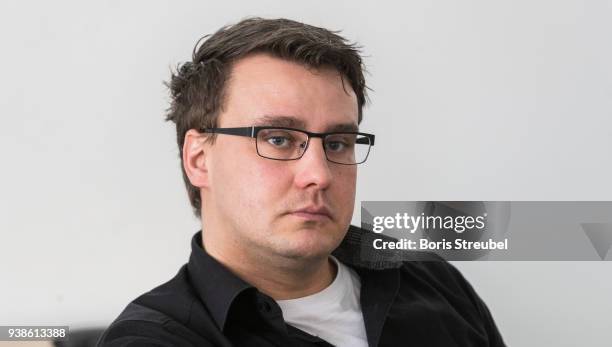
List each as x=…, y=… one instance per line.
x=257, y=201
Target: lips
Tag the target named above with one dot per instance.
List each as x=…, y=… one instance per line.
x=312, y=212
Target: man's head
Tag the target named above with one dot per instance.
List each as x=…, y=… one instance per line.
x=269, y=73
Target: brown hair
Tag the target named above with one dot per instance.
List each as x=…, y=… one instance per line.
x=197, y=86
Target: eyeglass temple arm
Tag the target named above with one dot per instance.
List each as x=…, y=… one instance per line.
x=243, y=131
x=366, y=140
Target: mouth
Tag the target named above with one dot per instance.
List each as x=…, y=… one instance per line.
x=312, y=213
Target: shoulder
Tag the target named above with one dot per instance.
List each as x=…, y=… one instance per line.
x=159, y=317
x=442, y=279
x=138, y=325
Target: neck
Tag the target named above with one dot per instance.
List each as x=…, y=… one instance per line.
x=279, y=277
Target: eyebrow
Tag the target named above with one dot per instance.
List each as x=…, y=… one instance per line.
x=293, y=122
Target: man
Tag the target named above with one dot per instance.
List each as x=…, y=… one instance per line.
x=267, y=117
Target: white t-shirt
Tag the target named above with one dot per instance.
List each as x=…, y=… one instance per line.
x=333, y=314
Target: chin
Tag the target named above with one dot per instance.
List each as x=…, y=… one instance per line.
x=306, y=239
x=307, y=244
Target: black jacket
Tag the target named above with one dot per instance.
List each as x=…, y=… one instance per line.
x=404, y=303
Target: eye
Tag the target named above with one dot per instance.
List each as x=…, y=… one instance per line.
x=340, y=142
x=279, y=141
x=335, y=146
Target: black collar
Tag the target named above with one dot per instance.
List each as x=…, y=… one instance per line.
x=218, y=287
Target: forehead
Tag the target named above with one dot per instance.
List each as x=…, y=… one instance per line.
x=262, y=87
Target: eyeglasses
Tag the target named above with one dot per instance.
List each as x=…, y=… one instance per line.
x=278, y=143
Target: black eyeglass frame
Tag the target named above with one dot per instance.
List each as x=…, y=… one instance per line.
x=254, y=130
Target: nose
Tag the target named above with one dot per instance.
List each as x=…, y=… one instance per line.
x=313, y=168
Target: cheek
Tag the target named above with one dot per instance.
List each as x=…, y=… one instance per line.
x=256, y=182
x=346, y=179
x=345, y=189
x=229, y=173
x=269, y=178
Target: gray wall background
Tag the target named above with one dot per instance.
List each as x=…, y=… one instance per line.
x=472, y=100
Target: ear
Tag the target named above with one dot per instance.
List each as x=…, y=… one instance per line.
x=194, y=158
